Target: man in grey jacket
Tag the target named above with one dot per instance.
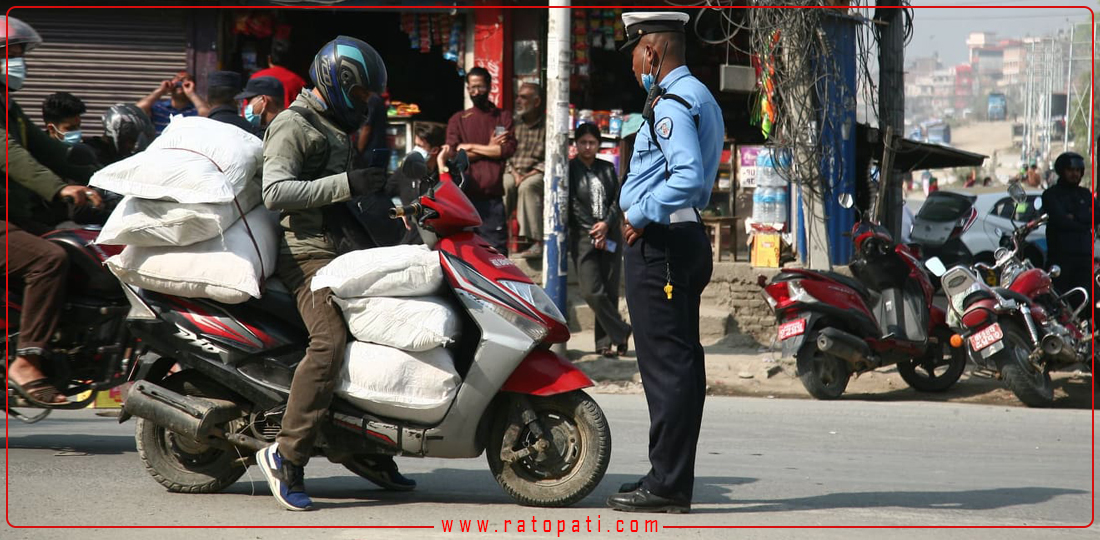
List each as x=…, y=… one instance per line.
x=307, y=177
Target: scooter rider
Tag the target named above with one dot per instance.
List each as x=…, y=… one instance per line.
x=307, y=177
x=1069, y=231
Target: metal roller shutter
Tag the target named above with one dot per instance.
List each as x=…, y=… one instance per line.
x=102, y=56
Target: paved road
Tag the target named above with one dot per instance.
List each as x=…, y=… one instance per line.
x=761, y=463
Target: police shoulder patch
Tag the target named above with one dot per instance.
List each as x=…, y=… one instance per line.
x=664, y=127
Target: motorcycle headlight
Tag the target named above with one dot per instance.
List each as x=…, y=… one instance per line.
x=536, y=296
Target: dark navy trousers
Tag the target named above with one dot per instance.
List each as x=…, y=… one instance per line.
x=666, y=337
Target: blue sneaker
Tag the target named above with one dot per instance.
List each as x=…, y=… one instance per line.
x=287, y=480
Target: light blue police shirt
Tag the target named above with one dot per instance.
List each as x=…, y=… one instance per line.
x=692, y=154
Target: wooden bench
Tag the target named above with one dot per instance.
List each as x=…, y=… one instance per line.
x=714, y=227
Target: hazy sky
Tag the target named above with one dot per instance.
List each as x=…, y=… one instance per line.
x=945, y=30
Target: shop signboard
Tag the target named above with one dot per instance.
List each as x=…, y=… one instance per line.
x=746, y=166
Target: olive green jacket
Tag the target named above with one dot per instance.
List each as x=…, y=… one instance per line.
x=297, y=179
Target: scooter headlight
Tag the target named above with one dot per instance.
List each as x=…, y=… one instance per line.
x=536, y=296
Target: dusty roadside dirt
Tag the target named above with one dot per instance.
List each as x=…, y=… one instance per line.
x=755, y=373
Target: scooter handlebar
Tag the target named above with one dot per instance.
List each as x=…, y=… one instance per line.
x=411, y=210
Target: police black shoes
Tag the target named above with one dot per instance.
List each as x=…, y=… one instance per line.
x=643, y=500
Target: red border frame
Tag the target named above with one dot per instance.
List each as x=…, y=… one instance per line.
x=7, y=345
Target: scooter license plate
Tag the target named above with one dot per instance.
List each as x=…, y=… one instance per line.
x=791, y=329
x=992, y=334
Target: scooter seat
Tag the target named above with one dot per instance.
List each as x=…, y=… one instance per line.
x=850, y=282
x=278, y=301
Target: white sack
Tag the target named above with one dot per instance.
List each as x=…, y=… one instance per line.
x=385, y=271
x=149, y=223
x=173, y=175
x=195, y=160
x=226, y=269
x=396, y=384
x=409, y=324
x=238, y=153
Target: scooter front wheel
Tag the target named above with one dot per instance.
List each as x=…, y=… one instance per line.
x=562, y=466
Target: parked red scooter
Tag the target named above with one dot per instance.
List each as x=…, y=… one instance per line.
x=834, y=325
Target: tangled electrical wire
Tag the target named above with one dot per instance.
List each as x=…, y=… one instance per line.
x=800, y=79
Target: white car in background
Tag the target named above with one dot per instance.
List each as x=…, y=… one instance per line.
x=963, y=228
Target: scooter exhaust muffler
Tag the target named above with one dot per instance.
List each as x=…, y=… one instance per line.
x=193, y=417
x=844, y=346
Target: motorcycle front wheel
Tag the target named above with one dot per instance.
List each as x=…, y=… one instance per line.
x=572, y=464
x=1031, y=385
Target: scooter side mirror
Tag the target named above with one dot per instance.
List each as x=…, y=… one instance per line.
x=935, y=265
x=461, y=162
x=1016, y=191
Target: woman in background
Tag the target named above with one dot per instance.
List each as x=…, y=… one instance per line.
x=595, y=237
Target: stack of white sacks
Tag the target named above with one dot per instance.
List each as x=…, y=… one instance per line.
x=180, y=219
x=398, y=365
x=184, y=236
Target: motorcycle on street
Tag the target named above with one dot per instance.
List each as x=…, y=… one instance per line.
x=546, y=441
x=836, y=326
x=1021, y=328
x=91, y=349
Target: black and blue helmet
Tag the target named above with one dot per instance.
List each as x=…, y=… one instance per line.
x=341, y=65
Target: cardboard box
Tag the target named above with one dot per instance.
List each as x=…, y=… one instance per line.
x=765, y=250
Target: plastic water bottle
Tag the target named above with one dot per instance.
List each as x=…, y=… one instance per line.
x=758, y=203
x=769, y=205
x=781, y=203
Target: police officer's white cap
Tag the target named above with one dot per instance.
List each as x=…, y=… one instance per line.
x=640, y=23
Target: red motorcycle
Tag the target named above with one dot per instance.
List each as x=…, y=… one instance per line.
x=835, y=326
x=1021, y=328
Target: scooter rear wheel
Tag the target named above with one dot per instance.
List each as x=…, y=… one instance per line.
x=180, y=464
x=823, y=375
x=573, y=464
x=938, y=369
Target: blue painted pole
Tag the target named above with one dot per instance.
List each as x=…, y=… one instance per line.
x=556, y=191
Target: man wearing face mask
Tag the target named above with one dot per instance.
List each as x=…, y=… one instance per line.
x=668, y=254
x=36, y=161
x=40, y=265
x=223, y=86
x=263, y=98
x=485, y=133
x=1069, y=231
x=61, y=112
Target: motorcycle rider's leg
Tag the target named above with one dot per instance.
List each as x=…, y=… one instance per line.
x=283, y=463
x=315, y=377
x=43, y=267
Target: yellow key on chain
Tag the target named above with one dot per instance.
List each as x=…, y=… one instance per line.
x=668, y=276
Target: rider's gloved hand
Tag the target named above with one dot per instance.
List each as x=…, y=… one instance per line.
x=366, y=181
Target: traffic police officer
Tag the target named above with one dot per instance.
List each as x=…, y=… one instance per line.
x=668, y=256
